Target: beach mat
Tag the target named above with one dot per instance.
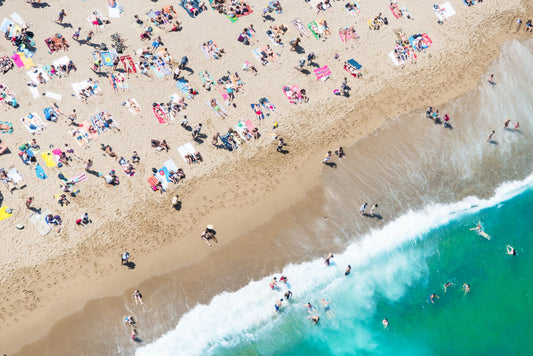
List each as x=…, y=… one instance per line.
x=4, y=214
x=38, y=220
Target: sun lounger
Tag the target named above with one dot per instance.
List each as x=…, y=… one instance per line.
x=38, y=220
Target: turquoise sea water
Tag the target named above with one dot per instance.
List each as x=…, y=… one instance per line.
x=493, y=319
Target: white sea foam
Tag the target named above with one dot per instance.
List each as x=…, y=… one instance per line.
x=379, y=263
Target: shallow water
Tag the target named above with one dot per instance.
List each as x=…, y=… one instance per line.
x=425, y=178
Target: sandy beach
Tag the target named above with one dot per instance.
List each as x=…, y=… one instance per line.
x=249, y=194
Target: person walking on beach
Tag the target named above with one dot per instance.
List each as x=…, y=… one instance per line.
x=61, y=16
x=76, y=35
x=137, y=296
x=506, y=123
x=516, y=126
x=362, y=209
x=88, y=165
x=278, y=305
x=29, y=201
x=327, y=157
x=491, y=135
x=328, y=259
x=281, y=143
x=511, y=251
x=374, y=207
x=125, y=258
x=466, y=288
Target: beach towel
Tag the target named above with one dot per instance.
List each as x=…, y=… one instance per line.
x=84, y=126
x=225, y=142
x=39, y=171
x=302, y=31
x=33, y=123
x=160, y=114
x=107, y=59
x=124, y=164
x=61, y=61
x=257, y=110
x=133, y=106
x=446, y=11
x=4, y=214
x=54, y=96
x=129, y=64
x=223, y=92
x=288, y=93
x=194, y=4
x=48, y=158
x=34, y=92
x=315, y=29
x=190, y=148
x=208, y=103
x=114, y=12
x=16, y=17
x=170, y=165
x=422, y=39
x=163, y=172
x=38, y=220
x=35, y=72
x=15, y=175
x=153, y=182
x=9, y=129
x=322, y=73
x=183, y=152
x=79, y=178
x=183, y=86
x=5, y=24
x=249, y=125
x=157, y=71
x=270, y=35
x=16, y=59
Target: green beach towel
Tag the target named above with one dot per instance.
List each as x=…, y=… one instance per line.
x=311, y=26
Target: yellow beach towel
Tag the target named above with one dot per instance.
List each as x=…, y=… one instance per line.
x=48, y=158
x=28, y=62
x=3, y=214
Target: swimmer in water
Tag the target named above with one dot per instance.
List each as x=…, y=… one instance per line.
x=283, y=279
x=278, y=305
x=511, y=251
x=288, y=294
x=273, y=283
x=310, y=308
x=432, y=298
x=348, y=270
x=385, y=323
x=314, y=318
x=466, y=288
x=449, y=284
x=328, y=310
x=328, y=259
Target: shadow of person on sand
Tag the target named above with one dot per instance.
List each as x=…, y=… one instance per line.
x=65, y=24
x=331, y=164
x=375, y=216
x=493, y=142
x=130, y=265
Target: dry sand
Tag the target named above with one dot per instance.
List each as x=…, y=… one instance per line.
x=46, y=278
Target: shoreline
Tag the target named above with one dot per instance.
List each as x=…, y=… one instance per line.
x=115, y=283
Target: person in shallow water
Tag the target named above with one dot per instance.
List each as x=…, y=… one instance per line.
x=278, y=304
x=325, y=304
x=449, y=284
x=314, y=318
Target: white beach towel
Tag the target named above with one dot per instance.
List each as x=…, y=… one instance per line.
x=15, y=175
x=40, y=224
x=131, y=108
x=170, y=165
x=394, y=59
x=17, y=19
x=114, y=11
x=190, y=148
x=5, y=23
x=183, y=152
x=35, y=72
x=34, y=92
x=447, y=11
x=61, y=61
x=175, y=98
x=54, y=96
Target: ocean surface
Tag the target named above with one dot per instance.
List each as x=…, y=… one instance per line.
x=433, y=185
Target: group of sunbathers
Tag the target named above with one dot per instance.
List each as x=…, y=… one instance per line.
x=57, y=42
x=5, y=64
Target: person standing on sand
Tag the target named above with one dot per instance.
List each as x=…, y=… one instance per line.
x=61, y=16
x=362, y=209
x=28, y=202
x=491, y=135
x=516, y=126
x=327, y=157
x=125, y=258
x=506, y=123
x=137, y=296
x=88, y=165
x=281, y=143
x=374, y=207
x=491, y=81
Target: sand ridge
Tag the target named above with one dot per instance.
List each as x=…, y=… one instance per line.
x=136, y=223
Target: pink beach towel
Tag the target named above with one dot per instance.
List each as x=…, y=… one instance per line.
x=249, y=125
x=17, y=60
x=222, y=91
